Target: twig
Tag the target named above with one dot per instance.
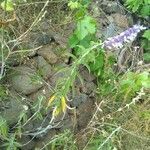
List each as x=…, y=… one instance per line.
x=38, y=19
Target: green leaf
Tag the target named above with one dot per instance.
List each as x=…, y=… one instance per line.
x=7, y=5
x=73, y=40
x=3, y=127
x=147, y=34
x=86, y=42
x=147, y=2
x=2, y=92
x=145, y=114
x=91, y=57
x=146, y=57
x=136, y=6
x=97, y=65
x=145, y=11
x=73, y=5
x=84, y=27
x=146, y=84
x=143, y=76
x=85, y=2
x=80, y=13
x=145, y=79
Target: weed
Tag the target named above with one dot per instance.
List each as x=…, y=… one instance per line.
x=141, y=7
x=3, y=128
x=11, y=143
x=124, y=91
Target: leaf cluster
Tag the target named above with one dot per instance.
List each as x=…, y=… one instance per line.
x=84, y=37
x=146, y=45
x=133, y=82
x=139, y=6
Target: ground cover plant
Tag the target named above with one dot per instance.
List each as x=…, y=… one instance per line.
x=74, y=75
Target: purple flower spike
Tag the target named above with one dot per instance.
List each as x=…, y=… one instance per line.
x=125, y=37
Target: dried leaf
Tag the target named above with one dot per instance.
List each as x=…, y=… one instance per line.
x=52, y=98
x=63, y=104
x=56, y=111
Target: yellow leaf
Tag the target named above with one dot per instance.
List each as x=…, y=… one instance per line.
x=56, y=111
x=63, y=104
x=52, y=98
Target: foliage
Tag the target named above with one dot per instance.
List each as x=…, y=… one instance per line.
x=10, y=140
x=60, y=107
x=98, y=139
x=107, y=81
x=7, y=5
x=3, y=92
x=64, y=141
x=84, y=44
x=139, y=6
x=147, y=34
x=3, y=128
x=132, y=82
x=11, y=143
x=146, y=45
x=82, y=39
x=73, y=5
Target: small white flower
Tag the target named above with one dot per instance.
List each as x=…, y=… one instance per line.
x=25, y=107
x=140, y=63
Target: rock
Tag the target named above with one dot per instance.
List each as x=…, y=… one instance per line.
x=81, y=140
x=69, y=123
x=85, y=113
x=78, y=99
x=14, y=60
x=58, y=77
x=110, y=7
x=31, y=63
x=110, y=31
x=43, y=67
x=25, y=80
x=46, y=139
x=49, y=37
x=25, y=140
x=85, y=74
x=90, y=87
x=45, y=91
x=44, y=25
x=40, y=65
x=29, y=126
x=29, y=43
x=85, y=87
x=95, y=9
x=44, y=39
x=120, y=20
x=59, y=39
x=47, y=53
x=12, y=108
